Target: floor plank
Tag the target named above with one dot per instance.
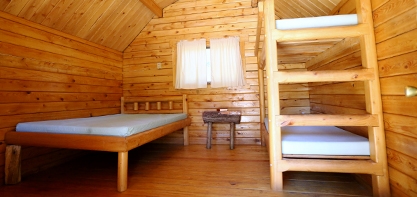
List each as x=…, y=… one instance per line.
x=173, y=170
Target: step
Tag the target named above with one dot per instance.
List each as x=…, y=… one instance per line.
x=327, y=120
x=341, y=166
x=320, y=33
x=324, y=76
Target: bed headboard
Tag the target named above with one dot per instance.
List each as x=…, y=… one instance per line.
x=154, y=105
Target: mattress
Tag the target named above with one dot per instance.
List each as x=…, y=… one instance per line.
x=315, y=22
x=321, y=140
x=111, y=125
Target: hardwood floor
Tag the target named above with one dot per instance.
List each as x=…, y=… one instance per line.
x=172, y=170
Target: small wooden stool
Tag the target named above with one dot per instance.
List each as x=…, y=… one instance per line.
x=232, y=117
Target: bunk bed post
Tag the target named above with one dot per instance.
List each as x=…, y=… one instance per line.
x=275, y=156
x=380, y=184
x=185, y=110
x=261, y=66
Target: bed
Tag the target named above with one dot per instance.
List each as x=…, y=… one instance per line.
x=142, y=120
x=320, y=29
x=320, y=142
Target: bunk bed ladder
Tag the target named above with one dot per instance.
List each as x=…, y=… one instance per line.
x=377, y=166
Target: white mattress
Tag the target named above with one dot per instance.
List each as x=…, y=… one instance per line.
x=110, y=125
x=315, y=22
x=321, y=140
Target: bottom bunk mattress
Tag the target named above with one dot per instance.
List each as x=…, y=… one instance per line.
x=122, y=125
x=321, y=140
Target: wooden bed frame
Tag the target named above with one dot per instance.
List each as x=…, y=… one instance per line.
x=14, y=140
x=376, y=165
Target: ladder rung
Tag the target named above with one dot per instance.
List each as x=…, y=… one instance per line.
x=324, y=76
x=319, y=165
x=327, y=120
x=320, y=33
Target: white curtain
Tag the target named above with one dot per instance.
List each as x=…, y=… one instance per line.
x=191, y=71
x=226, y=63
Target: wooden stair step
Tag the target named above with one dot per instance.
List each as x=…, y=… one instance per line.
x=327, y=120
x=320, y=165
x=324, y=76
x=320, y=33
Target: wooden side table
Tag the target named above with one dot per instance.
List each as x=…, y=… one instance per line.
x=232, y=117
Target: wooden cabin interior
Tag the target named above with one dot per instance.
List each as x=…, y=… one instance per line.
x=62, y=59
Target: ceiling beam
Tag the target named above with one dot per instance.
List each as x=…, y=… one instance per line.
x=150, y=4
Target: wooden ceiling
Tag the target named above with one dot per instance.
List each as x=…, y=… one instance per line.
x=301, y=52
x=111, y=23
x=116, y=23
x=304, y=8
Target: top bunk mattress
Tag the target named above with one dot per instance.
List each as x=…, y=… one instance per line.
x=316, y=22
x=321, y=140
x=122, y=125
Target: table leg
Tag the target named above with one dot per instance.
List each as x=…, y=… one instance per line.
x=232, y=135
x=208, y=146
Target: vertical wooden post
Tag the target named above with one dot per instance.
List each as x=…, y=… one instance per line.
x=232, y=135
x=275, y=155
x=171, y=105
x=122, y=105
x=185, y=110
x=261, y=102
x=208, y=144
x=158, y=105
x=12, y=165
x=122, y=171
x=146, y=106
x=380, y=184
x=135, y=106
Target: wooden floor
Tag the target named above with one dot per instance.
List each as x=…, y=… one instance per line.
x=171, y=170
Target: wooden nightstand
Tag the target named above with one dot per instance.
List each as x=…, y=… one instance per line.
x=232, y=117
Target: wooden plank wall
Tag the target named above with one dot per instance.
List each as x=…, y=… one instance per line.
x=395, y=24
x=344, y=97
x=46, y=74
x=294, y=98
x=187, y=20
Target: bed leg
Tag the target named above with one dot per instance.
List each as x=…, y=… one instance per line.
x=186, y=138
x=12, y=165
x=122, y=172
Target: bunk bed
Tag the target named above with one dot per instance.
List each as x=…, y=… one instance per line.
x=359, y=25
x=142, y=120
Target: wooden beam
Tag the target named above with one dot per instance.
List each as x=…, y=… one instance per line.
x=320, y=33
x=327, y=120
x=259, y=27
x=319, y=165
x=153, y=7
x=324, y=76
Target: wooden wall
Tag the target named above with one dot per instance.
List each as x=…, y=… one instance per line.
x=46, y=74
x=396, y=37
x=187, y=20
x=395, y=24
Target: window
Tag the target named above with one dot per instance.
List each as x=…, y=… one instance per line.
x=220, y=65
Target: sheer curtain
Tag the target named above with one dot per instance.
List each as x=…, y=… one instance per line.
x=191, y=71
x=226, y=63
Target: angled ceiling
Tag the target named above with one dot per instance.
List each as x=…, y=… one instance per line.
x=111, y=23
x=304, y=8
x=116, y=23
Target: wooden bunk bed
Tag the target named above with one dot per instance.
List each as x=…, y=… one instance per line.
x=111, y=142
x=376, y=163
